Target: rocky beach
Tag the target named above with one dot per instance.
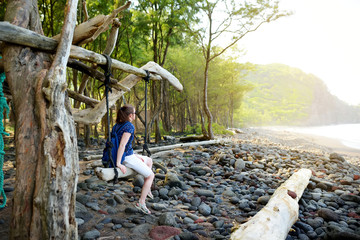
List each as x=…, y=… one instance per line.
x=206, y=191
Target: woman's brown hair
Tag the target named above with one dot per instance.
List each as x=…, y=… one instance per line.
x=124, y=112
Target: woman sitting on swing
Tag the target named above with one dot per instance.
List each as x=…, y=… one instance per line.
x=126, y=156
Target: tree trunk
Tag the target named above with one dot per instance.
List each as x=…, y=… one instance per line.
x=205, y=102
x=166, y=107
x=47, y=158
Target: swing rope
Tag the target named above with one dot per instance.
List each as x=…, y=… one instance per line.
x=109, y=145
x=145, y=146
x=3, y=105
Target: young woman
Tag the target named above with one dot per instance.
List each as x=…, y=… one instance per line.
x=126, y=156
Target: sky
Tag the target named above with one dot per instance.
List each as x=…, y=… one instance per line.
x=322, y=37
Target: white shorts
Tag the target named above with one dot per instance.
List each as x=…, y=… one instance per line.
x=134, y=162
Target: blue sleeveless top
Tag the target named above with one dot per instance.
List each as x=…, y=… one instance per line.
x=129, y=128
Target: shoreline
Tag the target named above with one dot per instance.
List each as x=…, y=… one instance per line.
x=302, y=141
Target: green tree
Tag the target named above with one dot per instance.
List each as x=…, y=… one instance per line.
x=162, y=24
x=232, y=20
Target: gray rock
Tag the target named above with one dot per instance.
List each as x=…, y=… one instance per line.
x=196, y=201
x=316, y=222
x=328, y=214
x=204, y=192
x=131, y=210
x=351, y=198
x=234, y=200
x=94, y=206
x=337, y=233
x=304, y=226
x=336, y=156
x=229, y=193
x=172, y=180
x=175, y=192
x=159, y=206
x=128, y=225
x=79, y=221
x=263, y=200
x=219, y=224
x=188, y=220
x=205, y=155
x=99, y=226
x=205, y=209
x=244, y=204
x=138, y=180
x=119, y=199
x=111, y=210
x=116, y=226
x=316, y=196
x=83, y=199
x=163, y=192
x=259, y=192
x=167, y=219
x=142, y=229
x=93, y=234
x=303, y=237
x=111, y=202
x=79, y=207
x=239, y=164
x=200, y=170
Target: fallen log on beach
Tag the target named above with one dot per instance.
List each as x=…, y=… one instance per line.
x=274, y=221
x=108, y=174
x=170, y=147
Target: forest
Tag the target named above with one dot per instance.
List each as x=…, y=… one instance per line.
x=170, y=33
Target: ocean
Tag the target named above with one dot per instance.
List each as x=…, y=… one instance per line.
x=348, y=134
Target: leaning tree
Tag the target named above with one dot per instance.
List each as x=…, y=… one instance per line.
x=46, y=142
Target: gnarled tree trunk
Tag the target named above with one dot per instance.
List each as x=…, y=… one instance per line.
x=46, y=149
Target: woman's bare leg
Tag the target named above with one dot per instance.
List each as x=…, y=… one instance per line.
x=146, y=188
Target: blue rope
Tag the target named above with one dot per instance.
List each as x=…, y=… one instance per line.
x=3, y=105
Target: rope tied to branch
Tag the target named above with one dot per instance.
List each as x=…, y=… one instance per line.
x=3, y=105
x=145, y=146
x=109, y=145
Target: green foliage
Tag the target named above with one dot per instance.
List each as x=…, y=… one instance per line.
x=217, y=128
x=282, y=95
x=3, y=4
x=191, y=130
x=220, y=129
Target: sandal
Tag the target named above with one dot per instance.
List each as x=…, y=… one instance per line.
x=142, y=208
x=150, y=195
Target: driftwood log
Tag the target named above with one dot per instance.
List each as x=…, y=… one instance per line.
x=16, y=35
x=274, y=221
x=170, y=147
x=108, y=174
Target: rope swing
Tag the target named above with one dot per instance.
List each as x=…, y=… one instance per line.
x=3, y=105
x=145, y=146
x=109, y=145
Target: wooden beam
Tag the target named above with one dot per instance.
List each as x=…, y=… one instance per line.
x=17, y=35
x=273, y=222
x=82, y=67
x=81, y=98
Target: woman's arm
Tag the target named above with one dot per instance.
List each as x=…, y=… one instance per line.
x=124, y=139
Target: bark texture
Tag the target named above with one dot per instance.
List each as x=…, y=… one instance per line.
x=46, y=149
x=274, y=221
